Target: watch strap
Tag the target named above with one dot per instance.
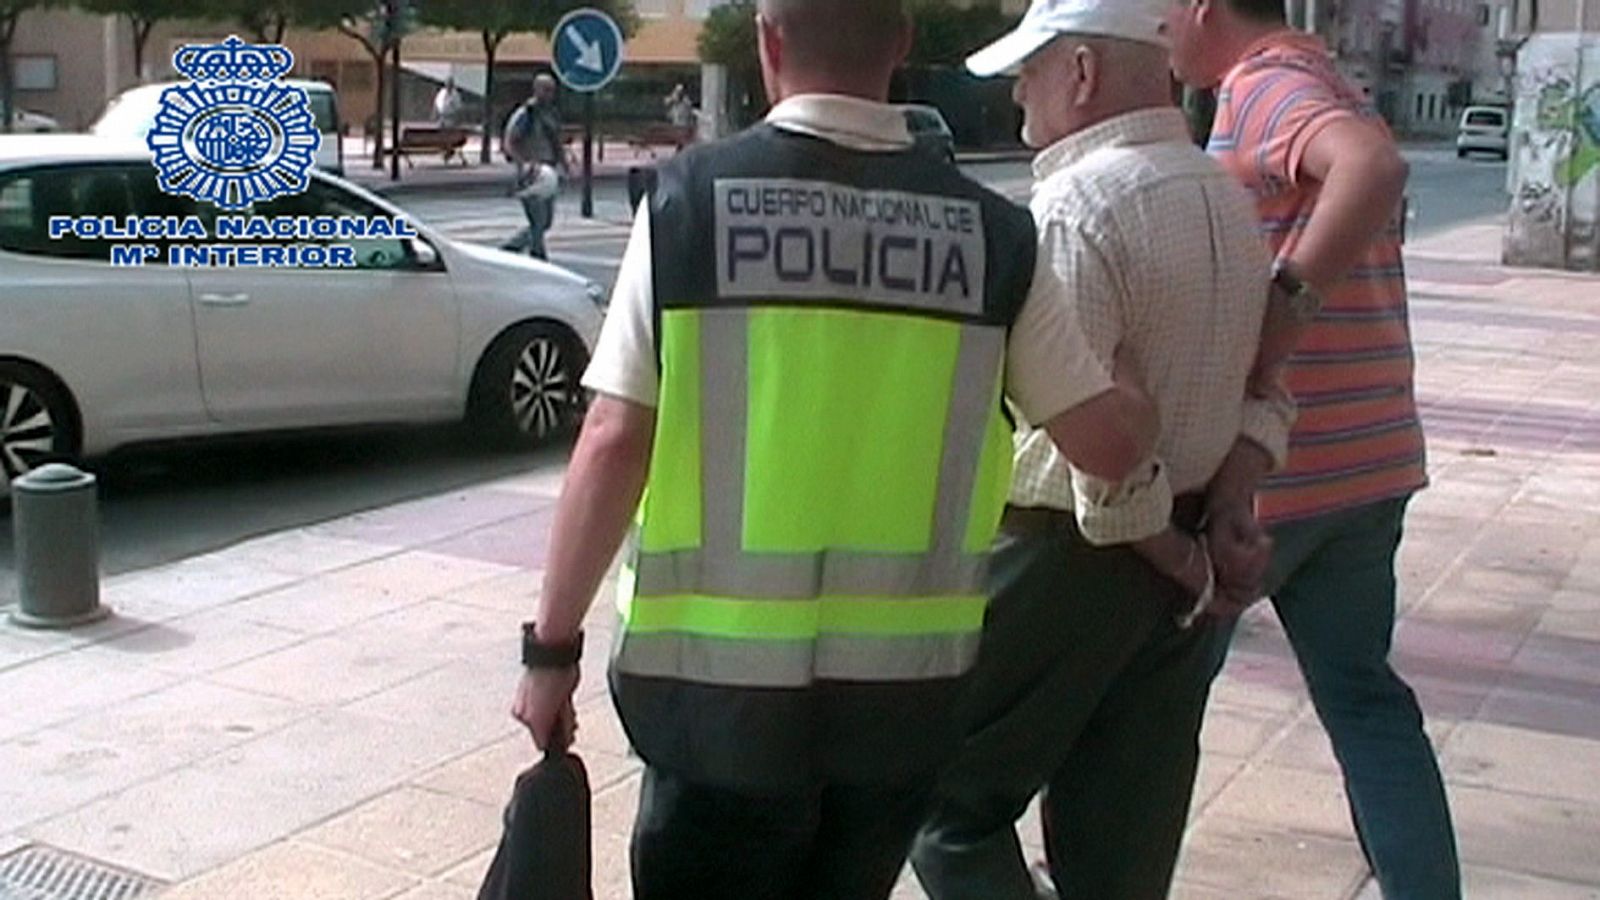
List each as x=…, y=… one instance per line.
x=537, y=654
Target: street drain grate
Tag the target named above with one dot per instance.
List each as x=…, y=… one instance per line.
x=42, y=873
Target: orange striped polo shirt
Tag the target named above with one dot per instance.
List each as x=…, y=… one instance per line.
x=1358, y=439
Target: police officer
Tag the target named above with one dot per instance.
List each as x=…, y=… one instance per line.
x=804, y=362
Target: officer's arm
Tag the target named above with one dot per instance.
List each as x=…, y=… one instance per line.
x=604, y=483
x=1110, y=434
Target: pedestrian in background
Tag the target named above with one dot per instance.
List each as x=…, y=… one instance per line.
x=1096, y=659
x=1328, y=181
x=827, y=455
x=533, y=142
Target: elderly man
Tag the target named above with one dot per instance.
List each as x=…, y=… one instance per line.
x=1094, y=667
x=1328, y=180
x=804, y=359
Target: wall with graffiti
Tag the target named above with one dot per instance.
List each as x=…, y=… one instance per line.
x=1555, y=190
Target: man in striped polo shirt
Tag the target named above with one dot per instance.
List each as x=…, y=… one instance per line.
x=1328, y=179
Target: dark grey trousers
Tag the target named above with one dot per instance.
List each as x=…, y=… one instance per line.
x=1087, y=689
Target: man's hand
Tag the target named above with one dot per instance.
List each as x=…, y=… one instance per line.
x=1241, y=552
x=544, y=704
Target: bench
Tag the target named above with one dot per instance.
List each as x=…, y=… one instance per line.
x=447, y=141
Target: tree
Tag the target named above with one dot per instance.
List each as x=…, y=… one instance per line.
x=496, y=20
x=267, y=21
x=728, y=39
x=377, y=27
x=10, y=12
x=947, y=34
x=143, y=16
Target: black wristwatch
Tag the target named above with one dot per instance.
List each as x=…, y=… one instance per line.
x=537, y=654
x=1303, y=301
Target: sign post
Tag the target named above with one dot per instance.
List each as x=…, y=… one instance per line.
x=586, y=50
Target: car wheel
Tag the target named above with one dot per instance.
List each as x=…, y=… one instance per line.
x=1461, y=154
x=527, y=389
x=36, y=423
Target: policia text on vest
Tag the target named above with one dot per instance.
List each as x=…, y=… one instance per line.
x=816, y=240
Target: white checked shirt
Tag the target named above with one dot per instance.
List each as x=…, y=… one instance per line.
x=1160, y=250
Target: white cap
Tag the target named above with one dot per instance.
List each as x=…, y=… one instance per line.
x=1133, y=20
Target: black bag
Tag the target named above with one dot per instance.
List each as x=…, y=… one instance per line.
x=545, y=853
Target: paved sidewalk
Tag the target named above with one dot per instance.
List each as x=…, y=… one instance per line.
x=322, y=713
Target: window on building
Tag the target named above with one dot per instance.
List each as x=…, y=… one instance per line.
x=34, y=73
x=699, y=9
x=1483, y=15
x=1419, y=106
x=651, y=9
x=1433, y=106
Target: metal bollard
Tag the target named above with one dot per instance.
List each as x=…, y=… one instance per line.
x=58, y=548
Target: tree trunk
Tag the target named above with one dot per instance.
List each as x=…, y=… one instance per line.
x=141, y=36
x=8, y=97
x=280, y=27
x=491, y=47
x=382, y=80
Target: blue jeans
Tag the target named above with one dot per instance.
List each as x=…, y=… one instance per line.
x=1333, y=586
x=541, y=212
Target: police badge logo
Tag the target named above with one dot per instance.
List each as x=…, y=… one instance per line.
x=235, y=134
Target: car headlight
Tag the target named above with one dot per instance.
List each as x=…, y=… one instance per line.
x=597, y=295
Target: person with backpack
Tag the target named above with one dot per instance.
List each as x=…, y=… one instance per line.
x=533, y=143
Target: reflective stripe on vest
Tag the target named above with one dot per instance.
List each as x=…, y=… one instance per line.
x=714, y=597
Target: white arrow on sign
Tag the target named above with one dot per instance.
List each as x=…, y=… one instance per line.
x=590, y=55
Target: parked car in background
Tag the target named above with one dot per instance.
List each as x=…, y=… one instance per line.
x=1484, y=129
x=930, y=131
x=95, y=357
x=25, y=121
x=132, y=113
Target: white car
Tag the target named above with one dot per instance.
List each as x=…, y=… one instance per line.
x=1485, y=129
x=24, y=121
x=94, y=357
x=132, y=113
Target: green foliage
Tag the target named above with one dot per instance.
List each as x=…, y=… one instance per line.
x=728, y=38
x=947, y=34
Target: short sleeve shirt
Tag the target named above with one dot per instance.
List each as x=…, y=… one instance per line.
x=1358, y=439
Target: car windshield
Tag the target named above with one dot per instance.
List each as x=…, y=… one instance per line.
x=1486, y=117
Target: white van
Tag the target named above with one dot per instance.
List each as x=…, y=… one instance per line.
x=132, y=113
x=1485, y=129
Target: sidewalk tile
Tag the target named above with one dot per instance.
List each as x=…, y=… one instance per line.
x=193, y=585
x=1184, y=890
x=1295, y=800
x=1497, y=884
x=319, y=607
x=293, y=871
x=50, y=772
x=1240, y=731
x=438, y=890
x=248, y=796
x=1216, y=772
x=72, y=684
x=471, y=699
x=470, y=873
x=520, y=542
x=1532, y=835
x=426, y=521
x=1252, y=860
x=1495, y=756
x=1559, y=658
x=445, y=630
x=1544, y=705
x=302, y=552
x=418, y=573
x=514, y=592
x=487, y=775
x=411, y=830
x=328, y=671
x=612, y=877
x=199, y=643
x=185, y=722
x=616, y=807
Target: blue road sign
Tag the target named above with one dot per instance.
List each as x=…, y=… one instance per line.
x=587, y=49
